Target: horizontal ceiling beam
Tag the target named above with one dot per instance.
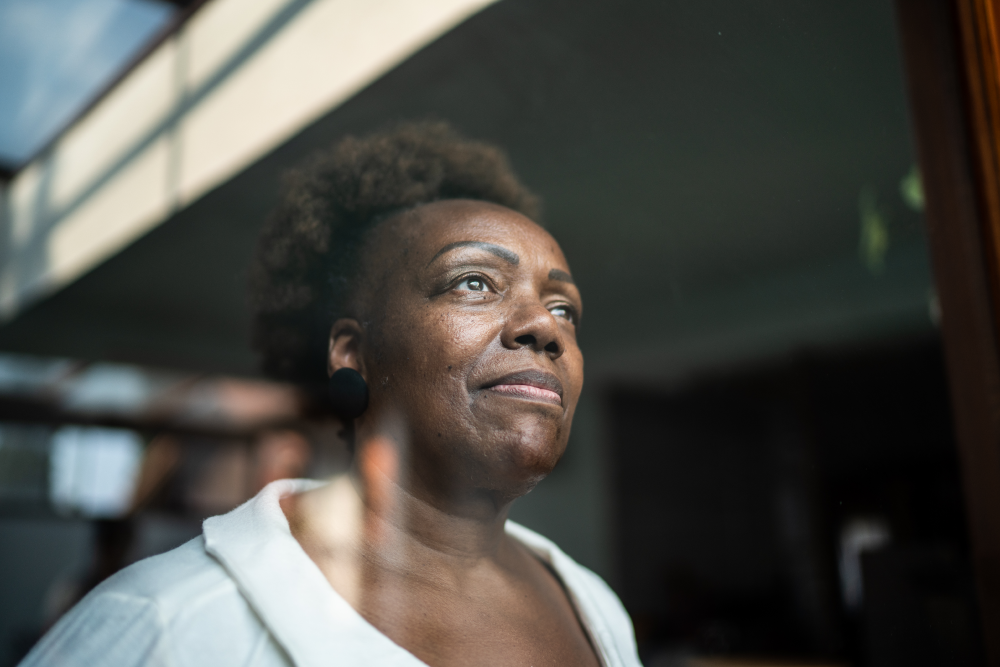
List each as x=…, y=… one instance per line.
x=238, y=79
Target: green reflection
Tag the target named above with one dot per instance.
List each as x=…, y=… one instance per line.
x=911, y=190
x=874, y=240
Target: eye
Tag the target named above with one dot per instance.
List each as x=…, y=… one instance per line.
x=473, y=284
x=565, y=312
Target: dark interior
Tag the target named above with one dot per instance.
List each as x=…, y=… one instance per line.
x=733, y=492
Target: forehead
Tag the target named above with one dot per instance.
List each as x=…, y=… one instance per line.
x=420, y=234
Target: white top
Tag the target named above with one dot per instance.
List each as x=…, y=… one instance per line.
x=245, y=593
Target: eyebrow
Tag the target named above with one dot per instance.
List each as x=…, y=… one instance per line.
x=556, y=274
x=499, y=251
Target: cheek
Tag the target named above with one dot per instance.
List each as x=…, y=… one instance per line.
x=432, y=350
x=465, y=337
x=426, y=368
x=572, y=364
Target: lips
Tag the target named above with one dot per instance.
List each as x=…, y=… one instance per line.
x=531, y=385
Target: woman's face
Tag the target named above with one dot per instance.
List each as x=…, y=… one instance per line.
x=469, y=345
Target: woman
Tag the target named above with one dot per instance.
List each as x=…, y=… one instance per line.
x=405, y=267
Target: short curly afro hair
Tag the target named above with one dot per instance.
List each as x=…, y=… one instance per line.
x=307, y=255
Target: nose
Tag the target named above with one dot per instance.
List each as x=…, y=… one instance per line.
x=533, y=326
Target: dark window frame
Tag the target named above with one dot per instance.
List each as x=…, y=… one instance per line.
x=952, y=59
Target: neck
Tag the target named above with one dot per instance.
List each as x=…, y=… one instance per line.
x=405, y=518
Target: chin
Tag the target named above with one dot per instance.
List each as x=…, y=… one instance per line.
x=524, y=458
x=504, y=451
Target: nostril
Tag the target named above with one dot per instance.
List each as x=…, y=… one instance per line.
x=526, y=339
x=552, y=347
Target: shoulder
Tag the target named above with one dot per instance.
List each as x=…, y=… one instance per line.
x=178, y=608
x=186, y=573
x=598, y=605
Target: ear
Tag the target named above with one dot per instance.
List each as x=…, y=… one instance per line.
x=346, y=337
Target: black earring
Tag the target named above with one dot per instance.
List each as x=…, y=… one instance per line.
x=348, y=393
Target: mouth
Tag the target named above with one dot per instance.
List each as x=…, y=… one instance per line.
x=529, y=385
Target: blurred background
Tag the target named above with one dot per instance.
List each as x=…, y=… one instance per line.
x=762, y=464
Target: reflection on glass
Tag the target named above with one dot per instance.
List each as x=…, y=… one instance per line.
x=94, y=470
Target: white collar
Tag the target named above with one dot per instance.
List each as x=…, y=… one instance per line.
x=312, y=622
